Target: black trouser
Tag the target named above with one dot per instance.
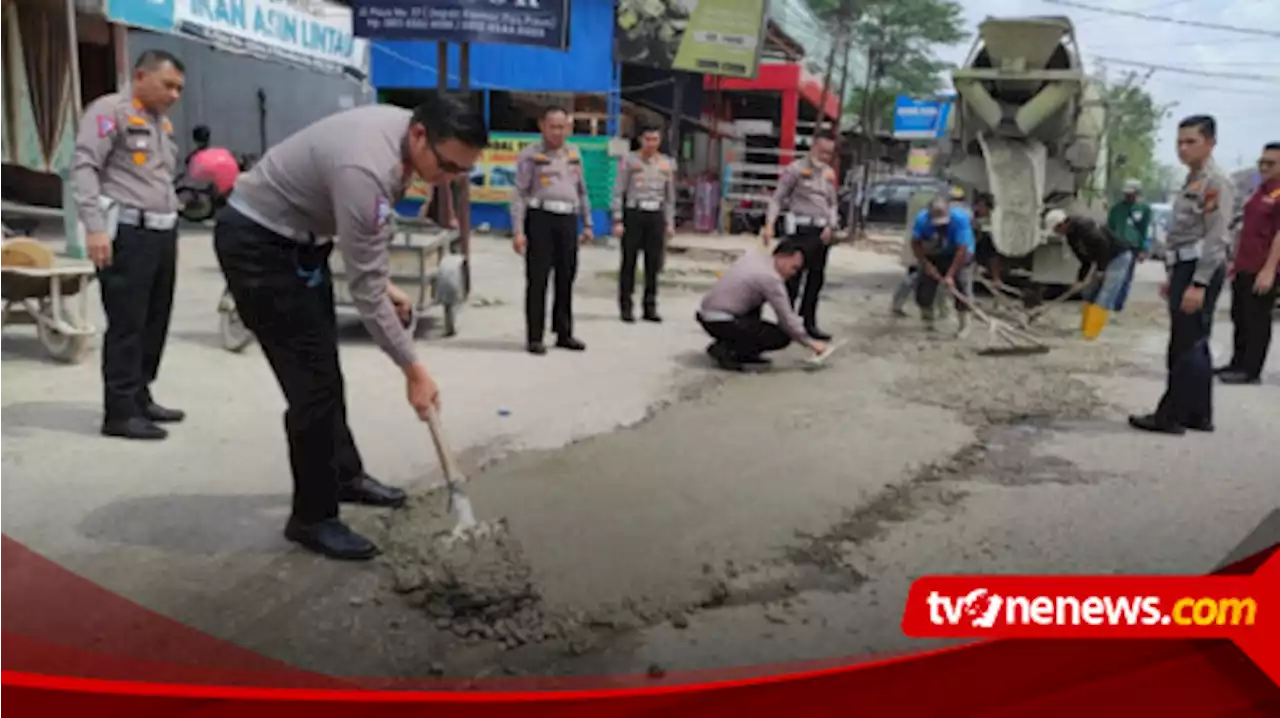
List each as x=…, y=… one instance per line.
x=927, y=286
x=1188, y=396
x=1251, y=316
x=297, y=329
x=552, y=246
x=137, y=297
x=643, y=232
x=813, y=274
x=747, y=336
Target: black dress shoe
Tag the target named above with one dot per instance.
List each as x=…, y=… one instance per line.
x=652, y=317
x=818, y=334
x=724, y=357
x=571, y=344
x=331, y=538
x=157, y=413
x=1153, y=423
x=628, y=317
x=1238, y=377
x=536, y=348
x=134, y=427
x=371, y=492
x=1203, y=425
x=1224, y=369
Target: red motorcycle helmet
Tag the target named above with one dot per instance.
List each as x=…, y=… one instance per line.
x=215, y=165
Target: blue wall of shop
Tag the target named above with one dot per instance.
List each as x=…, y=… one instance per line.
x=587, y=66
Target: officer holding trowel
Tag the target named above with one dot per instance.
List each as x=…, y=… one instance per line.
x=336, y=180
x=125, y=162
x=550, y=195
x=808, y=185
x=644, y=215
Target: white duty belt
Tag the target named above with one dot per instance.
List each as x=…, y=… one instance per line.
x=714, y=316
x=649, y=205
x=119, y=214
x=238, y=205
x=553, y=206
x=1190, y=253
x=801, y=220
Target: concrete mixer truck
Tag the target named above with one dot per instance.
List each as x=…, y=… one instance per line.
x=1028, y=128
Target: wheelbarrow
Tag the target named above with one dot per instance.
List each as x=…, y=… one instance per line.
x=37, y=291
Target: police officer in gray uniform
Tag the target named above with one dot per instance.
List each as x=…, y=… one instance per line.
x=125, y=162
x=336, y=180
x=550, y=195
x=809, y=186
x=1195, y=255
x=644, y=215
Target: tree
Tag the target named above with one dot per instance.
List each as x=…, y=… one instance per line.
x=1133, y=121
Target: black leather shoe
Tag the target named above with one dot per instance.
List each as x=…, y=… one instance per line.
x=723, y=357
x=1238, y=377
x=1224, y=370
x=1203, y=425
x=135, y=427
x=536, y=348
x=158, y=413
x=571, y=344
x=331, y=538
x=757, y=359
x=628, y=317
x=1153, y=423
x=652, y=317
x=371, y=492
x=818, y=334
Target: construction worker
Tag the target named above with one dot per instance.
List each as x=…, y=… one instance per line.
x=1254, y=287
x=644, y=216
x=125, y=162
x=1130, y=220
x=1100, y=251
x=730, y=312
x=1195, y=256
x=942, y=242
x=550, y=195
x=907, y=287
x=808, y=187
x=335, y=180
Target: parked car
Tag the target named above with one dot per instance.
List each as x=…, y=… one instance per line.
x=887, y=200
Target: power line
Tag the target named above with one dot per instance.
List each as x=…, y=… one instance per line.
x=1188, y=70
x=1160, y=18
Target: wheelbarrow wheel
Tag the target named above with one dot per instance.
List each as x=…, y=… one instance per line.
x=235, y=336
x=65, y=348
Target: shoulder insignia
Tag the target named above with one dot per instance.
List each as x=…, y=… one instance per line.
x=167, y=126
x=136, y=121
x=137, y=104
x=381, y=212
x=541, y=158
x=1211, y=199
x=806, y=173
x=106, y=126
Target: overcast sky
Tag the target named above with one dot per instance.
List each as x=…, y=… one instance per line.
x=1248, y=112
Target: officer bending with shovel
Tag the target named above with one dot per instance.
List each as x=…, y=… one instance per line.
x=337, y=179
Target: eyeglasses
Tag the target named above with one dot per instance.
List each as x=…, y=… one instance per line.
x=446, y=165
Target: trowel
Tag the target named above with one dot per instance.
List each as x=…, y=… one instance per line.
x=467, y=528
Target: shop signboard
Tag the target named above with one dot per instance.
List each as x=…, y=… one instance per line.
x=494, y=176
x=542, y=23
x=711, y=37
x=147, y=14
x=920, y=119
x=272, y=28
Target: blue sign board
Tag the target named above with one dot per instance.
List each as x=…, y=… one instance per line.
x=542, y=23
x=920, y=119
x=148, y=14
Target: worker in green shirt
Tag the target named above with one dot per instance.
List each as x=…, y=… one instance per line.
x=1130, y=220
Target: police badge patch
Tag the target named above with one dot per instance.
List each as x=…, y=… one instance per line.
x=382, y=213
x=106, y=126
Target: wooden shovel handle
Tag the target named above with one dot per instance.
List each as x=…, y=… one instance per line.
x=450, y=465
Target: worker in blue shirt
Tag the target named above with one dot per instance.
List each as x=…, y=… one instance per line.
x=943, y=244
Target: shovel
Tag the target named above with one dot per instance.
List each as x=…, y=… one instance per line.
x=1019, y=342
x=459, y=503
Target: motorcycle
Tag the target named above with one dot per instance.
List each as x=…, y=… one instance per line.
x=200, y=201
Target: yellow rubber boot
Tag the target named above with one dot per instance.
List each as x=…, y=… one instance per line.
x=1095, y=318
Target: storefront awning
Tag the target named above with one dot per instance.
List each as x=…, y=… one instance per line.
x=787, y=77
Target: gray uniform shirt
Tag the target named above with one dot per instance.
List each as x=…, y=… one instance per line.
x=1201, y=214
x=340, y=177
x=751, y=282
x=124, y=153
x=641, y=180
x=549, y=175
x=810, y=190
